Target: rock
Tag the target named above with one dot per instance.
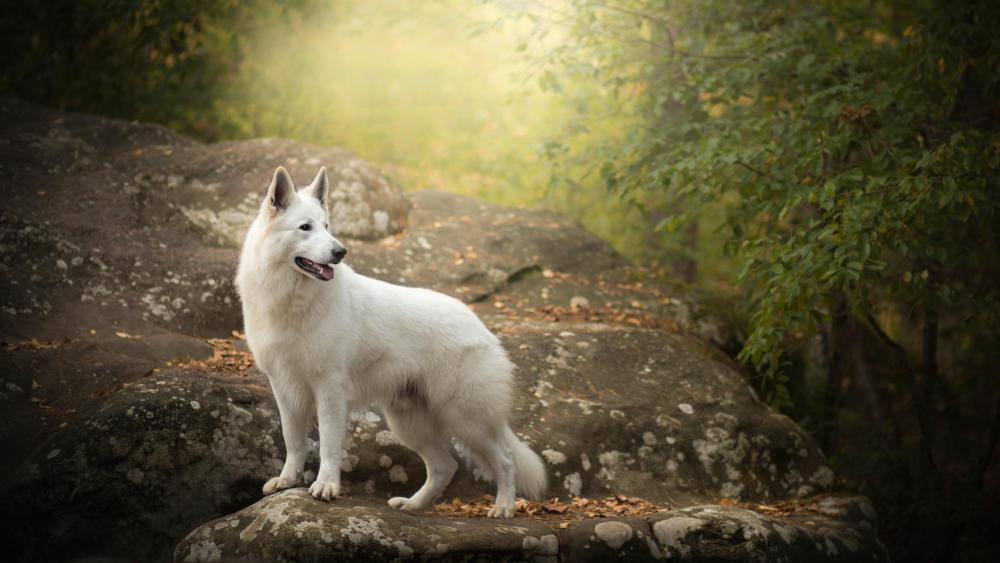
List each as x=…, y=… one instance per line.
x=106, y=222
x=631, y=411
x=292, y=525
x=592, y=410
x=600, y=539
x=364, y=203
x=157, y=458
x=473, y=250
x=529, y=260
x=70, y=377
x=724, y=533
x=637, y=412
x=119, y=246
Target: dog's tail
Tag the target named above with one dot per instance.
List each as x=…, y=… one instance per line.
x=529, y=469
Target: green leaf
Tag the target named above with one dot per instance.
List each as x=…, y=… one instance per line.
x=804, y=63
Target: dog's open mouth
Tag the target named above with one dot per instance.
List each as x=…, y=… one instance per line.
x=322, y=272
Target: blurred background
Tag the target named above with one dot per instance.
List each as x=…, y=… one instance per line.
x=827, y=171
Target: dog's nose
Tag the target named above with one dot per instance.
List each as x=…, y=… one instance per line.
x=338, y=254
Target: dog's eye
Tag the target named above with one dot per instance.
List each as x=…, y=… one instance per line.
x=305, y=227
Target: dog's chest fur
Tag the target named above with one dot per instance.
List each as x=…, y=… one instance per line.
x=296, y=336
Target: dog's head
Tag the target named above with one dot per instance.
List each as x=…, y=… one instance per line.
x=298, y=230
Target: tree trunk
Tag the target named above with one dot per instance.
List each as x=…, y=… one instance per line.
x=677, y=254
x=850, y=376
x=923, y=395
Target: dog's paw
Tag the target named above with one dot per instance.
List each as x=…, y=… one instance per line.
x=406, y=504
x=278, y=484
x=398, y=502
x=499, y=511
x=324, y=490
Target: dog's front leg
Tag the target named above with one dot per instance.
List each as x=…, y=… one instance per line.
x=331, y=408
x=295, y=406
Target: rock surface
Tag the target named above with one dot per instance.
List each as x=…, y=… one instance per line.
x=103, y=214
x=293, y=526
x=118, y=247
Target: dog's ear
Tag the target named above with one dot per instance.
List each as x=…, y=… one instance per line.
x=281, y=190
x=320, y=187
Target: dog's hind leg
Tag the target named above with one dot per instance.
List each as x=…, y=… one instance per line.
x=487, y=446
x=418, y=430
x=502, y=464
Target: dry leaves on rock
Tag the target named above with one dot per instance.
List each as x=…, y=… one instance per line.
x=778, y=509
x=607, y=315
x=226, y=359
x=33, y=344
x=576, y=508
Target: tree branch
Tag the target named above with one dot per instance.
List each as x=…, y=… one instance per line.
x=926, y=378
x=986, y=457
x=752, y=169
x=670, y=46
x=884, y=337
x=921, y=399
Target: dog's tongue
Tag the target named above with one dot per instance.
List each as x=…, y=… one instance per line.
x=325, y=271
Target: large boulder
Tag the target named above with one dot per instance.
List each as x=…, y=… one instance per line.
x=105, y=220
x=128, y=428
x=47, y=384
x=611, y=410
x=364, y=203
x=150, y=462
x=293, y=526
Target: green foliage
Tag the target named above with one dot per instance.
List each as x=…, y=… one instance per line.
x=154, y=60
x=853, y=146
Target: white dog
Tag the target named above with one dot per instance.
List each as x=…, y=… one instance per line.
x=331, y=340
